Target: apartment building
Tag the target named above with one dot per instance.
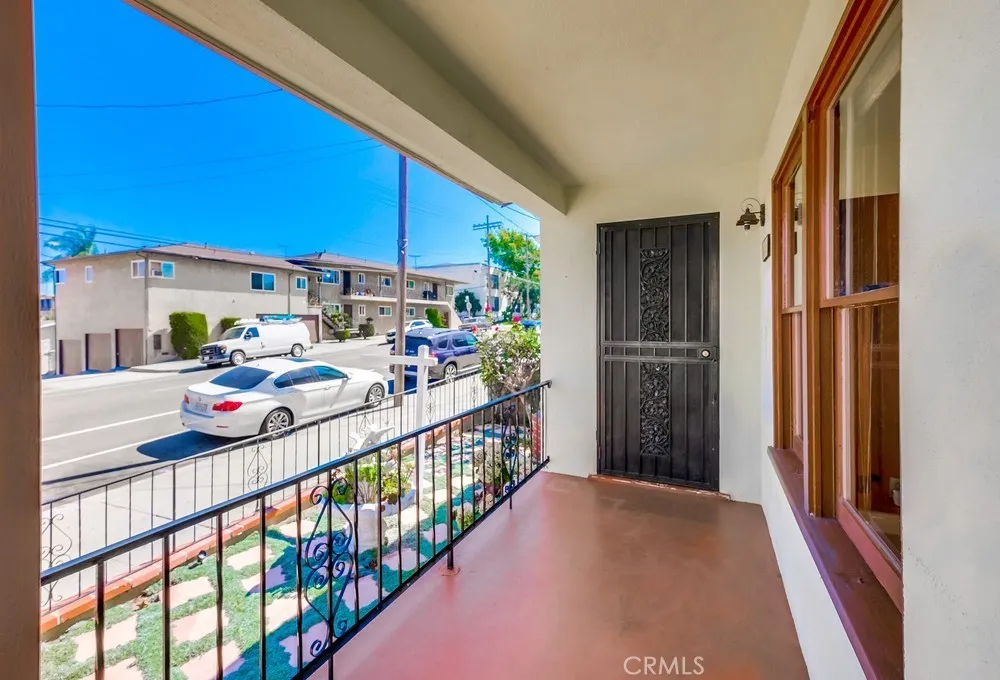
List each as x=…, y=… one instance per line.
x=488, y=284
x=364, y=289
x=114, y=309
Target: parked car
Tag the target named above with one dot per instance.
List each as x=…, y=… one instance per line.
x=475, y=323
x=455, y=350
x=390, y=336
x=251, y=339
x=273, y=394
x=531, y=323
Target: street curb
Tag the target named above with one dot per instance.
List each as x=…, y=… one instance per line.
x=85, y=605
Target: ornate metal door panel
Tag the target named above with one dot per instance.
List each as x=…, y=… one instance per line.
x=658, y=364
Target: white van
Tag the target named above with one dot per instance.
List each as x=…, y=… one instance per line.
x=253, y=338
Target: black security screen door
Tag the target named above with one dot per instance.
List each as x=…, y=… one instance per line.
x=658, y=372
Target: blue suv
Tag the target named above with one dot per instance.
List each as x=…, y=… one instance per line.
x=455, y=351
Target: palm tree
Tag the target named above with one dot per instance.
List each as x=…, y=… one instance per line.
x=74, y=242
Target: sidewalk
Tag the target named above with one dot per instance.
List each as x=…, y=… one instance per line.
x=324, y=348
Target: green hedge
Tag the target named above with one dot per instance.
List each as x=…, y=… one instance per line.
x=188, y=332
x=228, y=322
x=366, y=329
x=342, y=335
x=434, y=316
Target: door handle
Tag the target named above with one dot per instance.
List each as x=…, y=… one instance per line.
x=706, y=354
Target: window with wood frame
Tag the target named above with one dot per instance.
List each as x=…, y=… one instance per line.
x=836, y=289
x=863, y=282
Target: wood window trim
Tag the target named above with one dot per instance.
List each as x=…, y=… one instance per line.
x=873, y=623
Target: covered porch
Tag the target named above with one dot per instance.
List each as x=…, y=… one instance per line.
x=657, y=119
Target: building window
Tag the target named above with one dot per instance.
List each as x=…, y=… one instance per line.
x=411, y=311
x=410, y=284
x=331, y=276
x=301, y=283
x=45, y=305
x=494, y=280
x=157, y=342
x=386, y=282
x=138, y=269
x=427, y=285
x=336, y=308
x=836, y=297
x=262, y=281
x=496, y=304
x=60, y=277
x=361, y=278
x=385, y=311
x=361, y=311
x=449, y=291
x=88, y=274
x=161, y=270
x=865, y=275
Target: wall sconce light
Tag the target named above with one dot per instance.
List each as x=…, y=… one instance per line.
x=749, y=218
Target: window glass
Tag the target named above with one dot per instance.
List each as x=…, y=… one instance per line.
x=303, y=376
x=60, y=276
x=441, y=343
x=411, y=311
x=331, y=276
x=233, y=333
x=874, y=364
x=464, y=340
x=241, y=378
x=300, y=282
x=414, y=344
x=798, y=216
x=261, y=281
x=410, y=284
x=252, y=332
x=866, y=235
x=157, y=342
x=361, y=278
x=168, y=270
x=328, y=373
x=138, y=269
x=88, y=274
x=385, y=311
x=386, y=281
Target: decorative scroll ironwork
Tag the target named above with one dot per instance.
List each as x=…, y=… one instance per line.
x=510, y=445
x=654, y=295
x=329, y=564
x=258, y=469
x=56, y=548
x=654, y=409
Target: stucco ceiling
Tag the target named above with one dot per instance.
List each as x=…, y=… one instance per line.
x=600, y=90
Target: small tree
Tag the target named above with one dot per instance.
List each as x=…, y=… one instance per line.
x=228, y=322
x=367, y=329
x=434, y=316
x=511, y=360
x=188, y=332
x=466, y=300
x=342, y=334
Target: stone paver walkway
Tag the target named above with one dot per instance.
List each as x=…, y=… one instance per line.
x=114, y=637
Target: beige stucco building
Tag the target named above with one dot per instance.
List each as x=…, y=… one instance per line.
x=366, y=289
x=114, y=309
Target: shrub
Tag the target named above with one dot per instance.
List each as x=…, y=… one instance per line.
x=366, y=329
x=367, y=482
x=342, y=334
x=228, y=322
x=511, y=360
x=434, y=316
x=188, y=332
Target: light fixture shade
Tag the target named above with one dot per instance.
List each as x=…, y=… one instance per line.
x=747, y=219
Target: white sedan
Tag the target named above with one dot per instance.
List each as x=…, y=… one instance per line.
x=272, y=394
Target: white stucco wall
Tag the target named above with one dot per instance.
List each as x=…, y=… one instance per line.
x=569, y=285
x=825, y=646
x=949, y=324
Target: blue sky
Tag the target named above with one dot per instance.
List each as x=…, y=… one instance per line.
x=267, y=173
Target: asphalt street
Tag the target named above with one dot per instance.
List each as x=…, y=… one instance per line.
x=96, y=429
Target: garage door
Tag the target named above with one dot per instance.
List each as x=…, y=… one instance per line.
x=312, y=323
x=98, y=354
x=70, y=357
x=128, y=347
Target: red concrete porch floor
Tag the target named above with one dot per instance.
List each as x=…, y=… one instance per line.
x=580, y=576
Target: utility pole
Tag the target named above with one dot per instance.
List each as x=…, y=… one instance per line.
x=488, y=227
x=399, y=374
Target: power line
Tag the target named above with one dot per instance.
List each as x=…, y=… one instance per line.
x=170, y=105
x=494, y=209
x=208, y=178
x=114, y=233
x=521, y=212
x=202, y=162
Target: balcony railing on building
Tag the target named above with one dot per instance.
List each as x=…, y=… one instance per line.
x=286, y=574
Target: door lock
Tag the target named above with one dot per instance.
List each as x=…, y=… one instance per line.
x=705, y=353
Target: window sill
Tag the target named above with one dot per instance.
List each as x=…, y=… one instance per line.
x=873, y=623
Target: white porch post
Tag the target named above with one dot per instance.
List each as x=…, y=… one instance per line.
x=423, y=361
x=19, y=358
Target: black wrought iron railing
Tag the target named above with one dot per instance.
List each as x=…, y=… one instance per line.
x=292, y=570
x=77, y=523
